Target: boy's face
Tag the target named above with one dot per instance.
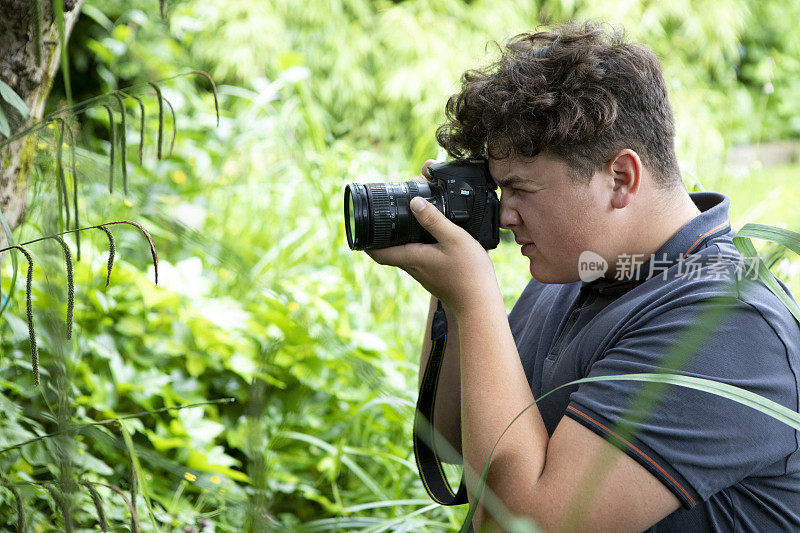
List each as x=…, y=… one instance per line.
x=552, y=217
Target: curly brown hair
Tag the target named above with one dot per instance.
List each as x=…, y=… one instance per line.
x=578, y=92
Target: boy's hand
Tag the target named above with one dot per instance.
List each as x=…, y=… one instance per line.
x=456, y=269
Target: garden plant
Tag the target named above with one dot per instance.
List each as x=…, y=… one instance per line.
x=187, y=342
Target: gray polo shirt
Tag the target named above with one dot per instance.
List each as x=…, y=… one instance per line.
x=732, y=467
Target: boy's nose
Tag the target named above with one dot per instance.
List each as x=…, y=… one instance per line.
x=508, y=217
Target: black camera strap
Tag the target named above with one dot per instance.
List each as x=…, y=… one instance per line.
x=428, y=463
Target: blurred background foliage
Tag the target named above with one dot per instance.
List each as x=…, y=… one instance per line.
x=259, y=298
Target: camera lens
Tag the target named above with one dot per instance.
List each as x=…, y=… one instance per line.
x=351, y=220
x=378, y=215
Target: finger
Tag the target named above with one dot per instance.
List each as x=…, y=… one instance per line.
x=434, y=220
x=394, y=255
x=425, y=166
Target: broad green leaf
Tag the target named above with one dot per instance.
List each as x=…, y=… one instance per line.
x=785, y=237
x=745, y=246
x=13, y=98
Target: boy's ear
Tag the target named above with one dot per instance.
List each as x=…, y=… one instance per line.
x=626, y=169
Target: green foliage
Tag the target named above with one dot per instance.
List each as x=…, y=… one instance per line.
x=9, y=96
x=259, y=297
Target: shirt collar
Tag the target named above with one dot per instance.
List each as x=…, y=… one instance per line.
x=712, y=221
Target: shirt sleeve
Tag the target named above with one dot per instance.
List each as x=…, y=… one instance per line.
x=696, y=443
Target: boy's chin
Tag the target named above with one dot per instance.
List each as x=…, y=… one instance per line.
x=544, y=275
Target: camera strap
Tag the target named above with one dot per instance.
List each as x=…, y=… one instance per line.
x=428, y=463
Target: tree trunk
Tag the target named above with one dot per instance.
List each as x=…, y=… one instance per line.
x=32, y=81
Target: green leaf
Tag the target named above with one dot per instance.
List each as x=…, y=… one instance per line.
x=14, y=266
x=357, y=470
x=4, y=129
x=98, y=16
x=785, y=237
x=745, y=246
x=138, y=479
x=13, y=98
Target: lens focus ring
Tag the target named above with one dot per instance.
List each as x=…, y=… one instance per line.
x=382, y=215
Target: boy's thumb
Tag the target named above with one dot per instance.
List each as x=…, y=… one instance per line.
x=431, y=219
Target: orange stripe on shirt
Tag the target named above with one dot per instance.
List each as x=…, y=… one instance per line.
x=702, y=237
x=637, y=450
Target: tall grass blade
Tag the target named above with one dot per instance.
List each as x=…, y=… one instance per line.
x=213, y=89
x=111, y=252
x=22, y=520
x=141, y=124
x=77, y=428
x=153, y=252
x=123, y=142
x=357, y=470
x=160, y=117
x=14, y=265
x=36, y=16
x=61, y=504
x=74, y=189
x=723, y=390
x=70, y=284
x=745, y=246
x=174, y=127
x=58, y=14
x=134, y=517
x=390, y=524
x=98, y=505
x=62, y=180
x=29, y=312
x=75, y=109
x=113, y=138
x=785, y=237
x=137, y=478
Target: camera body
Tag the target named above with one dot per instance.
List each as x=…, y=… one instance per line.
x=378, y=215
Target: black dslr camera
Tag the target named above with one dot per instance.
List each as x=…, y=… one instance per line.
x=378, y=215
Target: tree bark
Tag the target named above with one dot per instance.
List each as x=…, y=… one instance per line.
x=32, y=81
